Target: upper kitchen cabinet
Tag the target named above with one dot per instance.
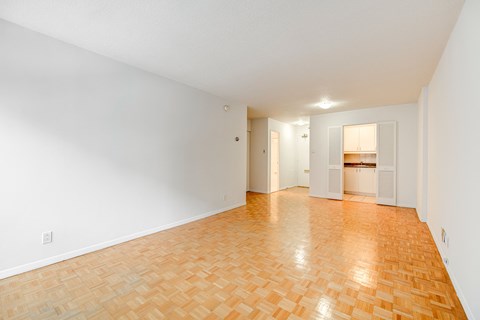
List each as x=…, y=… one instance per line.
x=350, y=138
x=360, y=139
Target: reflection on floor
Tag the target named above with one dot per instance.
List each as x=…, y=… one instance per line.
x=353, y=197
x=284, y=255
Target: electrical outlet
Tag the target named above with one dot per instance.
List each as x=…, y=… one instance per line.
x=446, y=261
x=47, y=237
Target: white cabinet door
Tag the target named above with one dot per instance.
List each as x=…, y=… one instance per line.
x=360, y=138
x=366, y=180
x=367, y=140
x=351, y=179
x=351, y=135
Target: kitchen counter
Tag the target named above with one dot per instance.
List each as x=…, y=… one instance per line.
x=359, y=165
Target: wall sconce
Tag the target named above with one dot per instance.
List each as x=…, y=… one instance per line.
x=305, y=136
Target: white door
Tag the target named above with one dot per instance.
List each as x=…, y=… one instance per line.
x=335, y=163
x=367, y=140
x=351, y=179
x=274, y=161
x=387, y=163
x=248, y=160
x=351, y=139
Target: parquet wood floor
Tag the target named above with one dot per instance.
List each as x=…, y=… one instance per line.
x=283, y=256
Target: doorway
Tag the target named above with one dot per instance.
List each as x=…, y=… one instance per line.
x=360, y=162
x=378, y=178
x=274, y=161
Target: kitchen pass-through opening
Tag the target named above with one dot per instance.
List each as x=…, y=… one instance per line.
x=360, y=163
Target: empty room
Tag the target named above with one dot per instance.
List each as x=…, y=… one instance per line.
x=225, y=159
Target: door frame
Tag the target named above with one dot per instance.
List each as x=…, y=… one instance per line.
x=270, y=161
x=249, y=155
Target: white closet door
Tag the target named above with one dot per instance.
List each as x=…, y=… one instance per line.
x=387, y=163
x=335, y=163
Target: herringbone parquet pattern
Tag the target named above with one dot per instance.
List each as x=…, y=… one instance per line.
x=282, y=256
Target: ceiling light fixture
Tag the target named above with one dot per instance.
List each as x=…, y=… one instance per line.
x=325, y=104
x=300, y=123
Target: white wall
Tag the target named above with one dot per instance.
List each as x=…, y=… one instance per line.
x=259, y=142
x=99, y=152
x=288, y=151
x=303, y=155
x=406, y=118
x=422, y=162
x=453, y=153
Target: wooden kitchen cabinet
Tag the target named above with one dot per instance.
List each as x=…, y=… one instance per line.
x=358, y=139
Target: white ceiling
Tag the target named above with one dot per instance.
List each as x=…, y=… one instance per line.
x=278, y=56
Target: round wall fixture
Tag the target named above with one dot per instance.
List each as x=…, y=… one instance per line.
x=226, y=107
x=237, y=138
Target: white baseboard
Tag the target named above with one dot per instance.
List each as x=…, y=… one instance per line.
x=75, y=253
x=406, y=205
x=282, y=189
x=257, y=191
x=360, y=194
x=422, y=219
x=265, y=192
x=455, y=283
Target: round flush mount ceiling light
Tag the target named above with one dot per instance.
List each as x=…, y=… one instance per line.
x=325, y=104
x=300, y=123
